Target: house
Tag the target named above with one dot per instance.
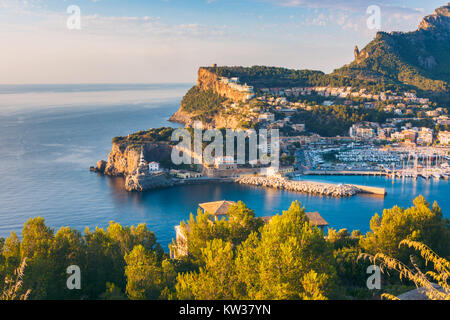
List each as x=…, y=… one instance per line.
x=444, y=137
x=225, y=163
x=185, y=174
x=267, y=116
x=215, y=209
x=432, y=113
x=362, y=131
x=410, y=135
x=425, y=136
x=298, y=127
x=153, y=166
x=269, y=171
x=286, y=170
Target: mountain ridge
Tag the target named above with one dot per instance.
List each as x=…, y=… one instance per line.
x=419, y=58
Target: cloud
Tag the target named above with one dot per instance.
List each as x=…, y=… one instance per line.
x=352, y=15
x=347, y=5
x=129, y=48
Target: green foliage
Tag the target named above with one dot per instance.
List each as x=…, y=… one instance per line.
x=418, y=223
x=342, y=238
x=235, y=258
x=201, y=229
x=264, y=77
x=202, y=103
x=395, y=58
x=275, y=263
x=144, y=274
x=99, y=254
x=273, y=77
x=286, y=259
x=213, y=281
x=336, y=120
x=112, y=292
x=162, y=134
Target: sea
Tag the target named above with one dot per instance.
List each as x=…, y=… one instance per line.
x=51, y=134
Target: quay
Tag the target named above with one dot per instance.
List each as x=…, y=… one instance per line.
x=372, y=190
x=344, y=173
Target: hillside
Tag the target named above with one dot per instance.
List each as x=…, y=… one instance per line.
x=397, y=61
x=420, y=59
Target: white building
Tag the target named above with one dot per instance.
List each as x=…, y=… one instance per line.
x=224, y=162
x=444, y=137
x=425, y=136
x=267, y=116
x=299, y=127
x=153, y=166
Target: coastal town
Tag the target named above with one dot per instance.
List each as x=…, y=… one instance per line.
x=283, y=171
x=411, y=141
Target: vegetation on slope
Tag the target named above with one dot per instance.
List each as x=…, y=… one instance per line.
x=202, y=102
x=146, y=136
x=390, y=58
x=238, y=258
x=336, y=120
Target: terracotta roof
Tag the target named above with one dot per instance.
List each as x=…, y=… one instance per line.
x=216, y=208
x=314, y=217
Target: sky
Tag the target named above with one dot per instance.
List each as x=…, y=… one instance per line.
x=165, y=41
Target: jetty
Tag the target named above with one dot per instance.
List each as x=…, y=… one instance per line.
x=344, y=173
x=318, y=188
x=371, y=190
x=310, y=187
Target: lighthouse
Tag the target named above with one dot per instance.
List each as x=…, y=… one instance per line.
x=142, y=166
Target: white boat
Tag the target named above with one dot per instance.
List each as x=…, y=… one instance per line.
x=436, y=176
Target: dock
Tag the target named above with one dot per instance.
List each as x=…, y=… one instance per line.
x=343, y=173
x=371, y=190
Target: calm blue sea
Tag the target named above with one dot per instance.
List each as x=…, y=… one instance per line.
x=51, y=134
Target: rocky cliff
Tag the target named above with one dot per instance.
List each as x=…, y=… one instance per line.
x=419, y=59
x=208, y=83
x=216, y=121
x=123, y=158
x=136, y=182
x=206, y=79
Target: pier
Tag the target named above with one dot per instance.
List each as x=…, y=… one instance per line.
x=371, y=190
x=344, y=173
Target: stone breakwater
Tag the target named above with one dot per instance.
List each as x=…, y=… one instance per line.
x=318, y=188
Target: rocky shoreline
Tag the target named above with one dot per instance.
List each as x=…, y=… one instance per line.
x=144, y=182
x=147, y=182
x=317, y=188
x=140, y=182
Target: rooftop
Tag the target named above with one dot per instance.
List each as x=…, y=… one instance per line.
x=316, y=219
x=217, y=208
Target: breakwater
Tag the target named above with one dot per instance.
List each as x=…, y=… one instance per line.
x=317, y=188
x=145, y=182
